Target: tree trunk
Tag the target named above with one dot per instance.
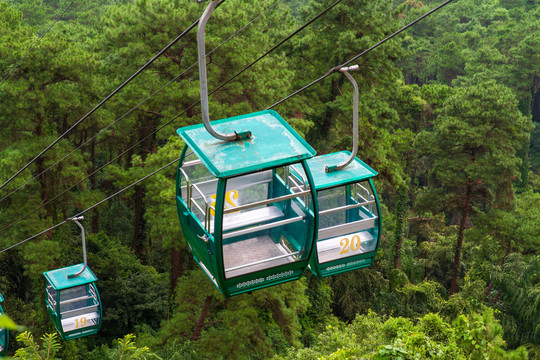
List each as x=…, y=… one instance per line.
x=138, y=226
x=40, y=163
x=465, y=212
x=329, y=117
x=398, y=249
x=176, y=267
x=490, y=285
x=535, y=99
x=398, y=232
x=204, y=313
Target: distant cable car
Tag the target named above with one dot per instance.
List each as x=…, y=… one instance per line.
x=4, y=334
x=349, y=229
x=72, y=298
x=247, y=224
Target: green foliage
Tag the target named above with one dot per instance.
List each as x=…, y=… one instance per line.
x=246, y=326
x=123, y=349
x=446, y=105
x=7, y=323
x=477, y=336
x=519, y=298
x=33, y=351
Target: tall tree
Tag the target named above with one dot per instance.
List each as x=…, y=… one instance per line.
x=472, y=149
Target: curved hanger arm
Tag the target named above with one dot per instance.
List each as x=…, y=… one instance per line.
x=76, y=221
x=204, y=83
x=346, y=70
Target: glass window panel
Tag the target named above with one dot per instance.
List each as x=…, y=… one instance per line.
x=198, y=187
x=78, y=300
x=271, y=227
x=51, y=296
x=348, y=221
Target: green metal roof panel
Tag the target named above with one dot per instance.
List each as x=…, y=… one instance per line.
x=273, y=143
x=59, y=278
x=356, y=171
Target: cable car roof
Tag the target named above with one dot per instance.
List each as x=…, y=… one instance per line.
x=1, y=298
x=59, y=278
x=356, y=171
x=273, y=143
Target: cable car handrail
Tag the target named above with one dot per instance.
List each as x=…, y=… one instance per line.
x=363, y=198
x=51, y=299
x=266, y=202
x=199, y=208
x=296, y=185
x=263, y=261
x=346, y=207
x=92, y=289
x=362, y=186
x=198, y=190
x=85, y=297
x=191, y=163
x=188, y=188
x=262, y=227
x=343, y=229
x=304, y=180
x=300, y=188
x=63, y=313
x=365, y=189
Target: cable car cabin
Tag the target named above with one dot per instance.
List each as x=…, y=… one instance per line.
x=349, y=229
x=247, y=224
x=73, y=303
x=4, y=334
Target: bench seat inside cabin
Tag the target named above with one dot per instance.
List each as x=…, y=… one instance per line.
x=329, y=244
x=248, y=218
x=73, y=310
x=75, y=322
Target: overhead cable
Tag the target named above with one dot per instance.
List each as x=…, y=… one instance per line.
x=164, y=125
x=139, y=104
x=37, y=42
x=359, y=55
x=93, y=206
x=133, y=76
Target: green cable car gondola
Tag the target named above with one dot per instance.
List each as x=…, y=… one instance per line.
x=247, y=225
x=4, y=334
x=72, y=298
x=349, y=230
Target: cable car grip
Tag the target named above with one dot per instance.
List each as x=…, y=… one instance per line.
x=201, y=49
x=345, y=70
x=76, y=221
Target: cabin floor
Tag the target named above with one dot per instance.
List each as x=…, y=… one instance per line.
x=251, y=254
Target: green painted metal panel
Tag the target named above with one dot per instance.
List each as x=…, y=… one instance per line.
x=344, y=265
x=356, y=171
x=59, y=278
x=4, y=334
x=273, y=143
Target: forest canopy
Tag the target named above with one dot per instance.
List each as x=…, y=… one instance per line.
x=448, y=117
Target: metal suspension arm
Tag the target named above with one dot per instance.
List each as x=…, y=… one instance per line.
x=76, y=221
x=204, y=83
x=346, y=70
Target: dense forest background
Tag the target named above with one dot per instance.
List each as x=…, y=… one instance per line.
x=449, y=114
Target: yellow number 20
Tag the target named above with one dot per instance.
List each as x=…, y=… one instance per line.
x=350, y=245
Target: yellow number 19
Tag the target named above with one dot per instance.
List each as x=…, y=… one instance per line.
x=80, y=322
